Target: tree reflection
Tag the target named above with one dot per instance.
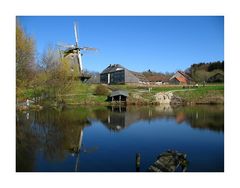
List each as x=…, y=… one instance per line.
x=57, y=133
x=51, y=131
x=26, y=144
x=202, y=117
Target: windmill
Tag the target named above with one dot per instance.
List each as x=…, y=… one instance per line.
x=76, y=51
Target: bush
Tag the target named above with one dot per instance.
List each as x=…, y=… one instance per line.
x=101, y=90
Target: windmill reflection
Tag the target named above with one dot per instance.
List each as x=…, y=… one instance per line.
x=81, y=149
x=57, y=133
x=78, y=149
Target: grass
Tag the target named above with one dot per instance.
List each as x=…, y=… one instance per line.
x=166, y=88
x=80, y=93
x=207, y=94
x=84, y=93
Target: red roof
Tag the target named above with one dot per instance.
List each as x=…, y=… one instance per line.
x=185, y=75
x=181, y=79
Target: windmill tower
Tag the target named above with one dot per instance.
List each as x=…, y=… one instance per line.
x=76, y=51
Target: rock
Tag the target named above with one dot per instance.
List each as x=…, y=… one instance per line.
x=167, y=98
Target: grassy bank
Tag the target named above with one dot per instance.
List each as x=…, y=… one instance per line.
x=82, y=94
x=85, y=94
x=213, y=94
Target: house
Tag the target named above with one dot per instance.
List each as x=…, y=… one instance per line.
x=178, y=80
x=117, y=74
x=181, y=78
x=216, y=78
x=157, y=79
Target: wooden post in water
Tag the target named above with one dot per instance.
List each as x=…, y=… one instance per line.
x=138, y=162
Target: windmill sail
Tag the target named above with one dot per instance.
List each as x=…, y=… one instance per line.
x=76, y=34
x=79, y=55
x=80, y=62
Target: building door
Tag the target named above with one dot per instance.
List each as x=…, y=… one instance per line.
x=108, y=78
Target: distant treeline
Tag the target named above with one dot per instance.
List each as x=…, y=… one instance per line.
x=203, y=71
x=200, y=72
x=208, y=66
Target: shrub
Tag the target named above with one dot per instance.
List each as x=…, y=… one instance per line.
x=101, y=90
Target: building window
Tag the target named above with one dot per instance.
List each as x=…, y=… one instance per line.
x=117, y=77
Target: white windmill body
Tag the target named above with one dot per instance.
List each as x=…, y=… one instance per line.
x=76, y=51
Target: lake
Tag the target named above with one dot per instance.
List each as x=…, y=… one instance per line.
x=107, y=139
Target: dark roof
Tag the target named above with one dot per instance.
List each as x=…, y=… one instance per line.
x=218, y=77
x=217, y=74
x=140, y=76
x=157, y=78
x=117, y=67
x=119, y=92
x=113, y=68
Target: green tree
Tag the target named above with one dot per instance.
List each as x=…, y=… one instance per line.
x=202, y=71
x=201, y=75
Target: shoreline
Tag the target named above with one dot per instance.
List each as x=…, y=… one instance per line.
x=124, y=104
x=174, y=96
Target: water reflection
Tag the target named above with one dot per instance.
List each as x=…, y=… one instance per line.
x=202, y=117
x=118, y=118
x=55, y=134
x=51, y=132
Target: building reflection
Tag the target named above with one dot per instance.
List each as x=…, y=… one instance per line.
x=55, y=133
x=117, y=118
x=180, y=117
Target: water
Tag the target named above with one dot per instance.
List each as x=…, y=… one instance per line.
x=109, y=138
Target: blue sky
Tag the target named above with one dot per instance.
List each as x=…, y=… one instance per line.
x=158, y=43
